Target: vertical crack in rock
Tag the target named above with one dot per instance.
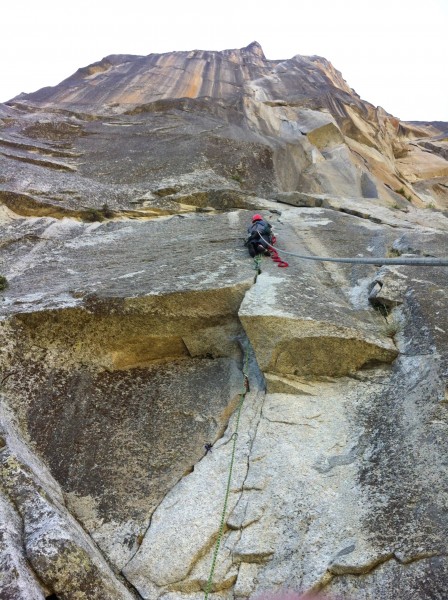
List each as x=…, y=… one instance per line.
x=194, y=573
x=241, y=520
x=221, y=437
x=117, y=329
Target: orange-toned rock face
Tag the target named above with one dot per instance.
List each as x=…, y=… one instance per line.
x=233, y=118
x=143, y=79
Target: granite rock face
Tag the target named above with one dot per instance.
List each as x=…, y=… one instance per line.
x=131, y=309
x=44, y=550
x=320, y=500
x=158, y=134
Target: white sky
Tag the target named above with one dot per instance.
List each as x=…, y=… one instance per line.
x=393, y=53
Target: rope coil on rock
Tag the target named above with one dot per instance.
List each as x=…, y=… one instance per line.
x=276, y=258
x=234, y=438
x=274, y=254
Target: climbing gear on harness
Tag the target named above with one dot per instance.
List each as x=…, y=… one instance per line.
x=234, y=438
x=257, y=217
x=427, y=261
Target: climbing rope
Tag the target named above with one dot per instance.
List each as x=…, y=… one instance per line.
x=274, y=255
x=229, y=478
x=426, y=261
x=276, y=258
x=257, y=263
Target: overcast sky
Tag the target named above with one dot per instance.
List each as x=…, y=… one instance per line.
x=393, y=53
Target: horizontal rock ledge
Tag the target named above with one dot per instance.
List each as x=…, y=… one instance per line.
x=303, y=348
x=300, y=327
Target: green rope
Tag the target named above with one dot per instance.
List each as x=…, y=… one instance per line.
x=229, y=478
x=257, y=263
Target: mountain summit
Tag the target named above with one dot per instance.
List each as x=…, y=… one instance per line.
x=130, y=80
x=286, y=126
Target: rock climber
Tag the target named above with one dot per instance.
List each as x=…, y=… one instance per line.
x=260, y=236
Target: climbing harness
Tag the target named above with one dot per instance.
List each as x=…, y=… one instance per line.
x=426, y=261
x=229, y=478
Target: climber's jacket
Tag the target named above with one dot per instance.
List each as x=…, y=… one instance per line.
x=259, y=228
x=260, y=236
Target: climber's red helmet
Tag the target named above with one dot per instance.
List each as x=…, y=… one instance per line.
x=257, y=218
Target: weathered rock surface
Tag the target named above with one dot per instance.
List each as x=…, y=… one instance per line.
x=126, y=192
x=200, y=128
x=16, y=577
x=102, y=350
x=288, y=342
x=82, y=336
x=319, y=500
x=44, y=550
